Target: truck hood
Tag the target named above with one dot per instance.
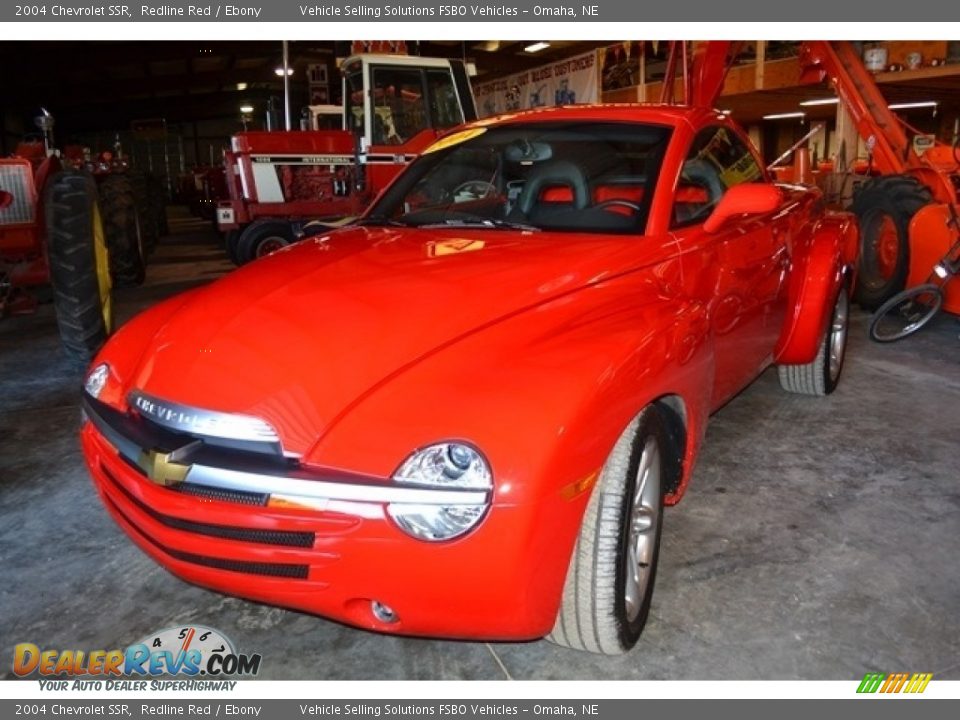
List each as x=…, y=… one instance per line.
x=298, y=337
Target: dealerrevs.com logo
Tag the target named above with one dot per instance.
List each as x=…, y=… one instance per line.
x=188, y=651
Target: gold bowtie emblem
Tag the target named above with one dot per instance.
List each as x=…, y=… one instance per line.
x=163, y=468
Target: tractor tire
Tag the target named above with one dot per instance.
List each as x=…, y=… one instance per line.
x=79, y=264
x=884, y=206
x=149, y=222
x=230, y=242
x=157, y=203
x=262, y=237
x=121, y=223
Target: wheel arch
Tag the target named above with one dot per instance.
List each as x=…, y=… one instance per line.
x=821, y=264
x=673, y=413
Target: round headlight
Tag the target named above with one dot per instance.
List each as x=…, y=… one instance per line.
x=96, y=379
x=444, y=465
x=436, y=522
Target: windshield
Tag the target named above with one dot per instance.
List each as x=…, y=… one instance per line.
x=353, y=98
x=576, y=177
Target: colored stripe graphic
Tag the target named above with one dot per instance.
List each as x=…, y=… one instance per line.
x=918, y=683
x=870, y=683
x=894, y=682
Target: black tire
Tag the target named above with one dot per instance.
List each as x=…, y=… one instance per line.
x=149, y=223
x=885, y=202
x=822, y=376
x=121, y=223
x=230, y=242
x=75, y=237
x=596, y=612
x=262, y=237
x=157, y=203
x=905, y=313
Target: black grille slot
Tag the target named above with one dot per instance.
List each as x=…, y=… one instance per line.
x=298, y=572
x=211, y=493
x=288, y=538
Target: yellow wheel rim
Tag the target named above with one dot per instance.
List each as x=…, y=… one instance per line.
x=102, y=257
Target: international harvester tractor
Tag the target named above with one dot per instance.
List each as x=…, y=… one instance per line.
x=394, y=107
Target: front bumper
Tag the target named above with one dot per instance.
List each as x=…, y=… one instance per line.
x=333, y=559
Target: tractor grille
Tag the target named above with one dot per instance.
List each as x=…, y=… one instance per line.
x=17, y=179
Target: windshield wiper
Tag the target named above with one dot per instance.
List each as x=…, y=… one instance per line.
x=381, y=220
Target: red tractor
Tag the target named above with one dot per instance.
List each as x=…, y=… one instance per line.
x=51, y=233
x=394, y=107
x=201, y=189
x=903, y=210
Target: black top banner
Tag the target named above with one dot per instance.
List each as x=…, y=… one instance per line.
x=418, y=11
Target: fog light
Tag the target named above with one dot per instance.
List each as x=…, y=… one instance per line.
x=382, y=612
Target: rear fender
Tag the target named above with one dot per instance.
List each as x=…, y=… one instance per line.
x=821, y=263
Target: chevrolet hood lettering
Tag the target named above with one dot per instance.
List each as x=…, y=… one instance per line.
x=167, y=415
x=197, y=421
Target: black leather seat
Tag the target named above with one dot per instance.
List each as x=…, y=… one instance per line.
x=550, y=174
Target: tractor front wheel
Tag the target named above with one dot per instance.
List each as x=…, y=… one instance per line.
x=79, y=264
x=263, y=237
x=884, y=206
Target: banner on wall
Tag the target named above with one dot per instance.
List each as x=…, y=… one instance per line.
x=621, y=64
x=564, y=82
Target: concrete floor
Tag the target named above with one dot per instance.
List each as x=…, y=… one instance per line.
x=819, y=538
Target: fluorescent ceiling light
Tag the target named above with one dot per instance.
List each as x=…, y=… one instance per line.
x=279, y=71
x=910, y=105
x=820, y=101
x=241, y=87
x=536, y=47
x=784, y=116
x=246, y=109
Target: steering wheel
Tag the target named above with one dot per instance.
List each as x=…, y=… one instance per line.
x=617, y=202
x=477, y=188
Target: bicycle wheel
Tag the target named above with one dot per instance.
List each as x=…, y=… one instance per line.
x=905, y=313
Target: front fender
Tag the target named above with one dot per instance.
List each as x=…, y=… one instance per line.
x=821, y=263
x=544, y=395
